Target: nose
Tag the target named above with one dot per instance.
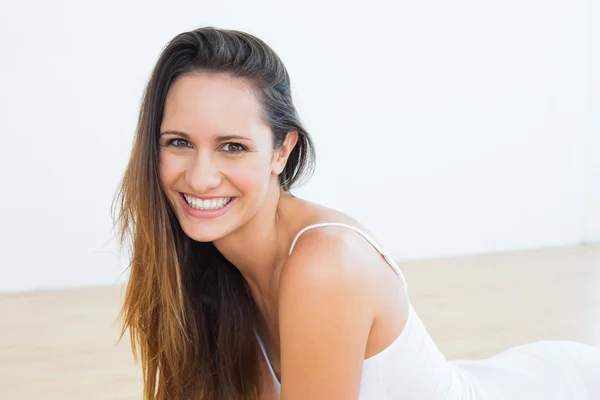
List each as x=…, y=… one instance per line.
x=203, y=175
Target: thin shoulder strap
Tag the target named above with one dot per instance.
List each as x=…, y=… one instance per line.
x=266, y=356
x=381, y=251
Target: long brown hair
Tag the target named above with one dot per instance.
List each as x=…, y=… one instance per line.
x=189, y=312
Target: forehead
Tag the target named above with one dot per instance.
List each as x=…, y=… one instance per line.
x=203, y=102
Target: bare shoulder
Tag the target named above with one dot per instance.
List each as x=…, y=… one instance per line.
x=330, y=253
x=338, y=259
x=325, y=316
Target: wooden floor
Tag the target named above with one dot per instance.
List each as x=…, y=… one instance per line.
x=62, y=345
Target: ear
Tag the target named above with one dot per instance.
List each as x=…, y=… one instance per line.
x=282, y=153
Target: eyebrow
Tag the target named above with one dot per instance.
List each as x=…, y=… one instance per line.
x=217, y=139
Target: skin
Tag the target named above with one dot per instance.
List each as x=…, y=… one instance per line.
x=326, y=307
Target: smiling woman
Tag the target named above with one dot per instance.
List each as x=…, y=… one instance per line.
x=217, y=148
x=240, y=290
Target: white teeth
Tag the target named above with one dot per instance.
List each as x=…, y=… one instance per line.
x=213, y=204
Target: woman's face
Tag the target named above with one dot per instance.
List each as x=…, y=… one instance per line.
x=217, y=163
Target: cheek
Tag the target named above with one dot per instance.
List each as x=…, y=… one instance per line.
x=251, y=175
x=169, y=168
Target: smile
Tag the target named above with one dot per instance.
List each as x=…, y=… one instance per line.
x=212, y=204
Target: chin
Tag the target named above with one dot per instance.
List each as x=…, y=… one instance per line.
x=203, y=232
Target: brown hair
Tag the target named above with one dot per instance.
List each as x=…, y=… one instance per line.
x=189, y=312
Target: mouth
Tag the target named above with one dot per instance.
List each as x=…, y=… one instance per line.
x=216, y=203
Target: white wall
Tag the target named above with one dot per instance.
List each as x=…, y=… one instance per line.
x=592, y=229
x=447, y=127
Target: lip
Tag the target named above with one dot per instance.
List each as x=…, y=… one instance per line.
x=203, y=197
x=204, y=214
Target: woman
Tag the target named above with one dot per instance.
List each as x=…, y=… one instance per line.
x=239, y=290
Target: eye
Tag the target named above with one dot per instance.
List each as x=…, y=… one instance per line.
x=234, y=147
x=178, y=143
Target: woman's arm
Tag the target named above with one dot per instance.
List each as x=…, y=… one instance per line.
x=325, y=316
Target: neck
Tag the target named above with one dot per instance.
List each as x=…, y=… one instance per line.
x=259, y=248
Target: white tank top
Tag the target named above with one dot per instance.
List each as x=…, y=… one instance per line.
x=412, y=367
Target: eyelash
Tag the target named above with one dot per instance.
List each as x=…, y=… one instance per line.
x=171, y=142
x=241, y=146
